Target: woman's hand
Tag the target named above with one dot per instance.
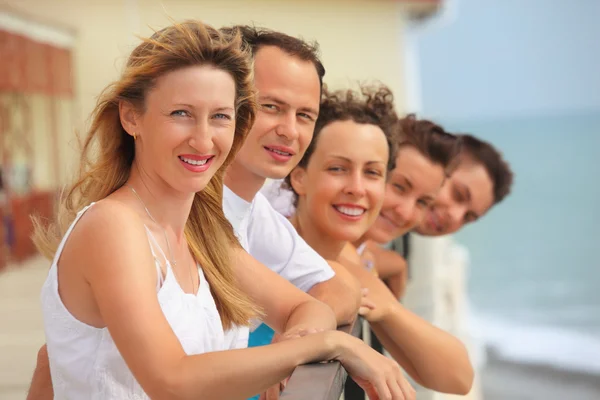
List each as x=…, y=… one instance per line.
x=294, y=333
x=367, y=305
x=379, y=376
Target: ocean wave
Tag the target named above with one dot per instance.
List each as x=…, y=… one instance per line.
x=538, y=344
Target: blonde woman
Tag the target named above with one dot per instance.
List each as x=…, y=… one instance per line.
x=148, y=286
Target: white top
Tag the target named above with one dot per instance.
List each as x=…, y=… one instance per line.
x=271, y=239
x=281, y=198
x=84, y=361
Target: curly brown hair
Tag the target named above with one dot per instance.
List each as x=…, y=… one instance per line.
x=373, y=104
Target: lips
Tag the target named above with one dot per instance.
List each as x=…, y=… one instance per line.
x=195, y=163
x=351, y=211
x=434, y=221
x=192, y=161
x=280, y=153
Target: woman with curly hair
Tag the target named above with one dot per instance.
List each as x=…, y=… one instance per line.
x=339, y=188
x=146, y=293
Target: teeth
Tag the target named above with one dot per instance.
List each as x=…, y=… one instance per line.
x=283, y=153
x=351, y=211
x=193, y=162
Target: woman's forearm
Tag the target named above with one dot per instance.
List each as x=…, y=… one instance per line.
x=237, y=374
x=433, y=357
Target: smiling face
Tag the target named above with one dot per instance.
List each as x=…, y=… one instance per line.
x=187, y=127
x=411, y=188
x=288, y=96
x=341, y=190
x=466, y=196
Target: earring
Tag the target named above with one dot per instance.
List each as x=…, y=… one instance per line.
x=134, y=136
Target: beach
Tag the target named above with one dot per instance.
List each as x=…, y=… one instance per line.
x=505, y=380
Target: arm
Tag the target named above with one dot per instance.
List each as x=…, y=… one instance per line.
x=274, y=241
x=285, y=306
x=122, y=285
x=431, y=356
x=391, y=268
x=41, y=383
x=341, y=293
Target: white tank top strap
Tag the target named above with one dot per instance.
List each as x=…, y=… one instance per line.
x=63, y=242
x=154, y=243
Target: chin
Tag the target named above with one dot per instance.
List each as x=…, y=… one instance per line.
x=379, y=237
x=277, y=172
x=343, y=235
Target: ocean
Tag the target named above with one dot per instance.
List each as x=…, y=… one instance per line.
x=534, y=282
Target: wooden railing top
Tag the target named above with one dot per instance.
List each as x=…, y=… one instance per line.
x=321, y=381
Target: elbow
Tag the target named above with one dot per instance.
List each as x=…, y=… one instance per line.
x=348, y=302
x=465, y=375
x=463, y=382
x=460, y=381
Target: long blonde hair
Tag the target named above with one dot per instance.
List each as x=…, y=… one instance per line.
x=108, y=152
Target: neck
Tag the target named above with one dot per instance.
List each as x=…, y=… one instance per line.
x=242, y=181
x=329, y=248
x=169, y=209
x=360, y=241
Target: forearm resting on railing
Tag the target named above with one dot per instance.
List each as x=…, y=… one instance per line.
x=433, y=357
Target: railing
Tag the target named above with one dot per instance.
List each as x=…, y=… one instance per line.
x=436, y=292
x=321, y=381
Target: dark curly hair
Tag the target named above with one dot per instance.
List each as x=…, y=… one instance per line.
x=373, y=104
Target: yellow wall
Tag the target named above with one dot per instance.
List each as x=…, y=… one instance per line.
x=360, y=40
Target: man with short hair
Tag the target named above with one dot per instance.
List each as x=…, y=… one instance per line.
x=481, y=180
x=289, y=78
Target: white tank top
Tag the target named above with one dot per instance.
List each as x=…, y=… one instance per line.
x=84, y=361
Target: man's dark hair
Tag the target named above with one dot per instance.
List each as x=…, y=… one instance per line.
x=257, y=37
x=431, y=140
x=497, y=168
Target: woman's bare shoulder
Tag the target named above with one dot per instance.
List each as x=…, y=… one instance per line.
x=107, y=227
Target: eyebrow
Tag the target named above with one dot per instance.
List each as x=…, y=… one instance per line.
x=350, y=161
x=283, y=103
x=225, y=108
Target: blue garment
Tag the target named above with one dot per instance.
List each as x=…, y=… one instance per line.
x=262, y=336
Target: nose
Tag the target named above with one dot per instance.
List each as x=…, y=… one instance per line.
x=288, y=126
x=406, y=211
x=456, y=215
x=355, y=185
x=201, y=138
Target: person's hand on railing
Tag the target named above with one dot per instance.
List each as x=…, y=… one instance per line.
x=296, y=332
x=367, y=305
x=374, y=306
x=379, y=376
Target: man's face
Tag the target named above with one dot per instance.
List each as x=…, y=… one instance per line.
x=465, y=197
x=288, y=96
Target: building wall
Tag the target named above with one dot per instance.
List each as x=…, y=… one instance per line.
x=360, y=40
